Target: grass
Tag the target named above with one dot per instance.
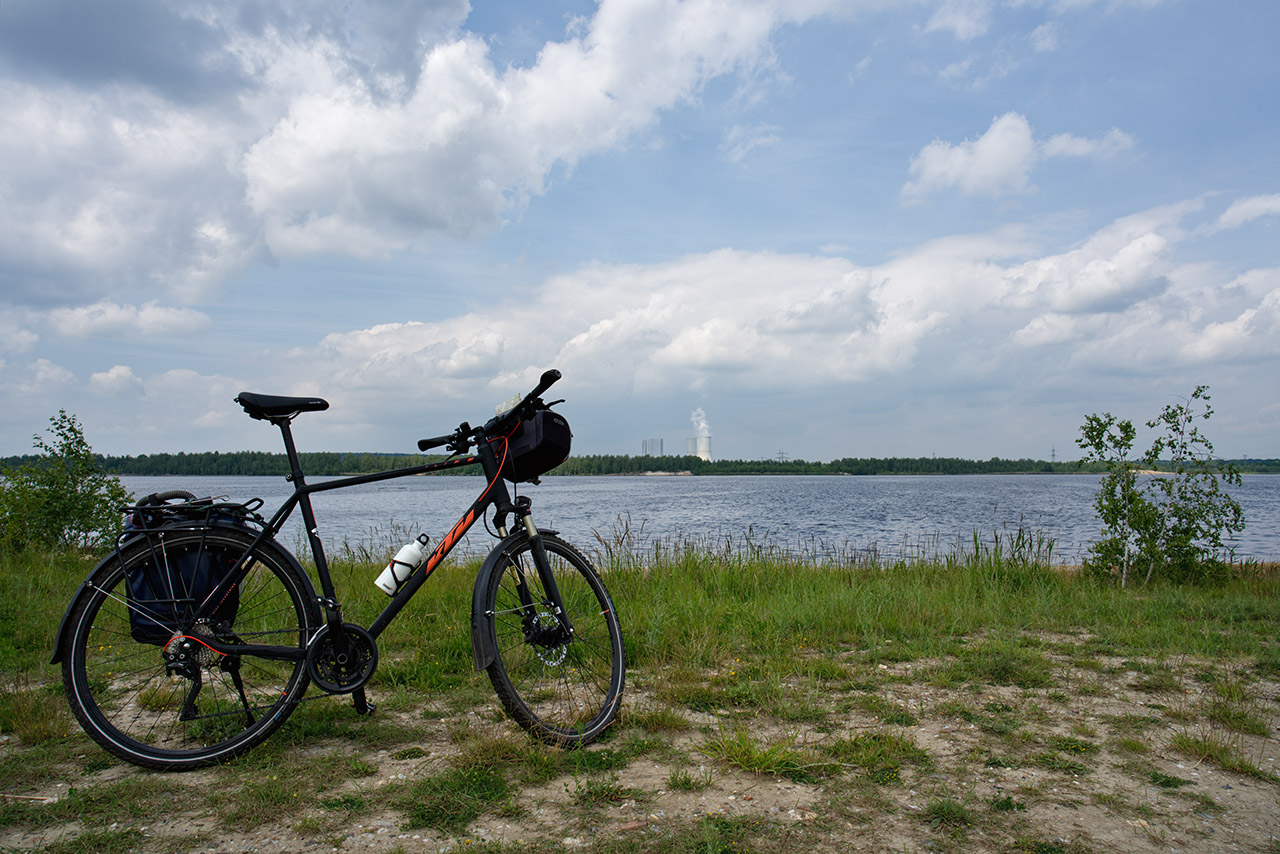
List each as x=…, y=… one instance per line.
x=738, y=748
x=881, y=755
x=948, y=813
x=451, y=800
x=1225, y=751
x=752, y=674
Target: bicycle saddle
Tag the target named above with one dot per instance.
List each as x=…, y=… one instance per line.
x=268, y=406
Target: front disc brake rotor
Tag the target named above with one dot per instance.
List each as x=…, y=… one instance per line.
x=547, y=641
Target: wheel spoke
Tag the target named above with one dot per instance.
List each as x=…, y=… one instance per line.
x=195, y=705
x=565, y=692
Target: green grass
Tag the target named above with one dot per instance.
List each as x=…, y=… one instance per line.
x=1168, y=781
x=947, y=812
x=881, y=755
x=748, y=670
x=1223, y=750
x=1006, y=803
x=452, y=799
x=738, y=748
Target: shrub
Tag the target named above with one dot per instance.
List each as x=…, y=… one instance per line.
x=1172, y=523
x=62, y=499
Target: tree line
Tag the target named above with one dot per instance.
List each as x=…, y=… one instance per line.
x=332, y=463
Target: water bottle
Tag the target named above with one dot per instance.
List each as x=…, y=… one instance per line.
x=402, y=565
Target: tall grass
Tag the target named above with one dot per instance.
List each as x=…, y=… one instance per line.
x=699, y=603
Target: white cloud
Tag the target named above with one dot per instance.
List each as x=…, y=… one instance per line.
x=988, y=310
x=1247, y=210
x=119, y=380
x=14, y=337
x=964, y=19
x=39, y=380
x=112, y=320
x=122, y=188
x=354, y=129
x=1253, y=333
x=1112, y=143
x=766, y=322
x=348, y=170
x=740, y=141
x=1044, y=38
x=999, y=162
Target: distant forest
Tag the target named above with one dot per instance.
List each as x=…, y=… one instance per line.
x=332, y=463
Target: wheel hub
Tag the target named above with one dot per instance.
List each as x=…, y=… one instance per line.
x=185, y=654
x=547, y=637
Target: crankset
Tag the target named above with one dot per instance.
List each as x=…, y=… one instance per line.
x=342, y=672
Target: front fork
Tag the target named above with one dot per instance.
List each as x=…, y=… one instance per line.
x=534, y=632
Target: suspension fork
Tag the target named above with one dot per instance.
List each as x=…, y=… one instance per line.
x=523, y=509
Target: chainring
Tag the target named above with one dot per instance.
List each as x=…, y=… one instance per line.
x=342, y=674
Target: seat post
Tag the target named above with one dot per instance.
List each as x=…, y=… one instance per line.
x=291, y=452
x=299, y=482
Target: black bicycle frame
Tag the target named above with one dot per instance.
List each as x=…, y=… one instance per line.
x=495, y=495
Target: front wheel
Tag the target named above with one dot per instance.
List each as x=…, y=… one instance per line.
x=564, y=689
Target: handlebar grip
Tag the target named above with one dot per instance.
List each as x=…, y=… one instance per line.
x=549, y=378
x=428, y=444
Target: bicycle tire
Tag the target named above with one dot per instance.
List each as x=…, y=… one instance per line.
x=564, y=694
x=128, y=701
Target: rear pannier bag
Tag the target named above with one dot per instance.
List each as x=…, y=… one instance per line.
x=537, y=446
x=171, y=583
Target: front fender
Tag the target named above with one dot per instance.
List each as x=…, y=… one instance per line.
x=483, y=650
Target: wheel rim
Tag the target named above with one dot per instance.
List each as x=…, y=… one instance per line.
x=564, y=689
x=137, y=703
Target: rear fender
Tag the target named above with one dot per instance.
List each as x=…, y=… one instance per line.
x=64, y=626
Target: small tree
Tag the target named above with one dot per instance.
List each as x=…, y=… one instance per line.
x=63, y=499
x=1194, y=510
x=1128, y=518
x=1172, y=523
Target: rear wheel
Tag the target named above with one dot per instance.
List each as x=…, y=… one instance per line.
x=170, y=701
x=563, y=689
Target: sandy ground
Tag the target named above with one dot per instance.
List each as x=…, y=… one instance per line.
x=1109, y=805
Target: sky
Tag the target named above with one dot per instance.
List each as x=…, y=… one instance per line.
x=822, y=228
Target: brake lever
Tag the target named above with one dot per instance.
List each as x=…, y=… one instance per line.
x=460, y=442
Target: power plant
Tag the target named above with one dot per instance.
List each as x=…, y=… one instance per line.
x=700, y=441
x=700, y=446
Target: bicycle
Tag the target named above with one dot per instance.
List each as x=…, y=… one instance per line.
x=199, y=635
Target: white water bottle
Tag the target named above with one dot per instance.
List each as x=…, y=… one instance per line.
x=403, y=565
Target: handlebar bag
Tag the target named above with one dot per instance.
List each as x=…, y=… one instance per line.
x=169, y=585
x=537, y=446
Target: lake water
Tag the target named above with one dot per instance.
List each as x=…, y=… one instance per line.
x=892, y=515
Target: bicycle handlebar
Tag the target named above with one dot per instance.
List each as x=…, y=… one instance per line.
x=461, y=439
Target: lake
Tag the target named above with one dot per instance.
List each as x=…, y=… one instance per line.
x=893, y=515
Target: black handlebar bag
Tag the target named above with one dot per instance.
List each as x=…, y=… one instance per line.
x=537, y=446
